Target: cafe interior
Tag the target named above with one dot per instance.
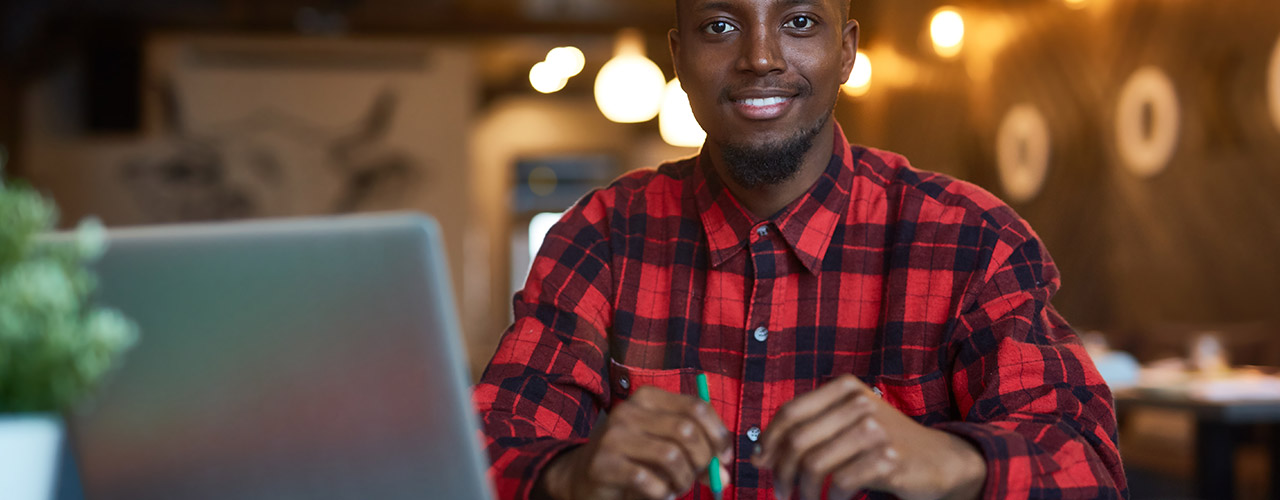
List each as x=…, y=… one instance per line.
x=1140, y=138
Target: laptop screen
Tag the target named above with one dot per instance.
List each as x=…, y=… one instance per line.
x=293, y=358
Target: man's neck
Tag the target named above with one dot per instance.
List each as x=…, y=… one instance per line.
x=765, y=201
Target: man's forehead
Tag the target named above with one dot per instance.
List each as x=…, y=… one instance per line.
x=704, y=4
x=701, y=5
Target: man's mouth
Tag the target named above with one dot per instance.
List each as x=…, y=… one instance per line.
x=764, y=101
x=762, y=108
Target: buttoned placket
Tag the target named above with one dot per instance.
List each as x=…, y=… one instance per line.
x=754, y=366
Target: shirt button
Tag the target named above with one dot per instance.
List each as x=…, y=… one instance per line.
x=762, y=334
x=753, y=433
x=623, y=383
x=762, y=231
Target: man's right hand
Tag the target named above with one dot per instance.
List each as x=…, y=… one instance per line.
x=654, y=446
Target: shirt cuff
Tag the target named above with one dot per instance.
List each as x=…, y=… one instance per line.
x=1012, y=460
x=528, y=464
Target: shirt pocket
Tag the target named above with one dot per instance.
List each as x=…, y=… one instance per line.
x=624, y=380
x=926, y=398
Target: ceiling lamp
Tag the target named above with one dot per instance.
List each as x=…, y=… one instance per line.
x=859, y=82
x=947, y=31
x=567, y=61
x=546, y=79
x=554, y=72
x=629, y=86
x=676, y=122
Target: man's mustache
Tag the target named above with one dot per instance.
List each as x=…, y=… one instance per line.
x=799, y=89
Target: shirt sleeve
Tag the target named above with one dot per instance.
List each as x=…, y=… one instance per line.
x=1030, y=398
x=542, y=390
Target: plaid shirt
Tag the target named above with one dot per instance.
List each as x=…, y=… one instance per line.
x=929, y=289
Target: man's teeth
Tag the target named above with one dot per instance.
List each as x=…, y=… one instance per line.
x=767, y=101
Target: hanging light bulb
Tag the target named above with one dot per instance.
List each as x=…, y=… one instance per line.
x=860, y=78
x=947, y=31
x=676, y=122
x=568, y=61
x=544, y=78
x=629, y=86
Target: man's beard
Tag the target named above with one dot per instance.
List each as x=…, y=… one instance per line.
x=755, y=165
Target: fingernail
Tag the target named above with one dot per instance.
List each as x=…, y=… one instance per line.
x=725, y=478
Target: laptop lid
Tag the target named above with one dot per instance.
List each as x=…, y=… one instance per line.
x=314, y=358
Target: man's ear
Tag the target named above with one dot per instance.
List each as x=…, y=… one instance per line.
x=848, y=49
x=673, y=42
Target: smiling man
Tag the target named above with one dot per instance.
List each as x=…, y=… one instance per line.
x=868, y=328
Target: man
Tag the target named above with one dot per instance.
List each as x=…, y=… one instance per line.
x=867, y=328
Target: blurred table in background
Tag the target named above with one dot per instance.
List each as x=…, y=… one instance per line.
x=1217, y=424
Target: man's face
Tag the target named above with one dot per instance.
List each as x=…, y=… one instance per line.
x=761, y=72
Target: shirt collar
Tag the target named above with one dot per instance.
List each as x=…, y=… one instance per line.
x=806, y=224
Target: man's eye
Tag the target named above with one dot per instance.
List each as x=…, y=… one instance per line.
x=719, y=28
x=800, y=22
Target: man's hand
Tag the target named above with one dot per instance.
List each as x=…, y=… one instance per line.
x=844, y=431
x=652, y=446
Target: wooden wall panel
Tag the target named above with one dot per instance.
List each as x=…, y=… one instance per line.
x=1198, y=243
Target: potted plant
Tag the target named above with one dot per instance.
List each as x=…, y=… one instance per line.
x=54, y=344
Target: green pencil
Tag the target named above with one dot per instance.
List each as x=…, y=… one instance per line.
x=713, y=472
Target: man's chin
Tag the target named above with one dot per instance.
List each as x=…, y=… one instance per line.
x=768, y=159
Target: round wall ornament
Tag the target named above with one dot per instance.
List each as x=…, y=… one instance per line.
x=1148, y=121
x=1022, y=152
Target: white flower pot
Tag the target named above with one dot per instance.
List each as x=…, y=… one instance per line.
x=34, y=458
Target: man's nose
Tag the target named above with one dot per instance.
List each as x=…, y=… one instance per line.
x=762, y=52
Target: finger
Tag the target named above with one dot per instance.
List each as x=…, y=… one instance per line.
x=645, y=484
x=796, y=446
x=803, y=409
x=682, y=431
x=866, y=471
x=632, y=479
x=725, y=477
x=668, y=461
x=693, y=408
x=866, y=436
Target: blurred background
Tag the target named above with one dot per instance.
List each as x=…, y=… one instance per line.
x=1141, y=138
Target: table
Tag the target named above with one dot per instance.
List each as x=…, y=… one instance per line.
x=1215, y=424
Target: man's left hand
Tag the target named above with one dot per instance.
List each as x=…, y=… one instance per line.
x=844, y=431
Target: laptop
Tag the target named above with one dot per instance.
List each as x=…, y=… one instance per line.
x=312, y=358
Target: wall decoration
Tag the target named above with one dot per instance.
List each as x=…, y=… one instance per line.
x=1022, y=152
x=271, y=162
x=241, y=127
x=1273, y=85
x=1148, y=121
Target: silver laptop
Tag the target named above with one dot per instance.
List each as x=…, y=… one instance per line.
x=283, y=359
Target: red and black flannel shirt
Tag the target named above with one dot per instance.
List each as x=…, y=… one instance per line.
x=929, y=289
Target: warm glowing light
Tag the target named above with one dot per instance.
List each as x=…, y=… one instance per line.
x=676, y=122
x=1076, y=4
x=629, y=86
x=567, y=61
x=1273, y=84
x=860, y=78
x=544, y=78
x=947, y=31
